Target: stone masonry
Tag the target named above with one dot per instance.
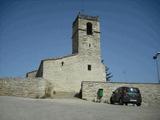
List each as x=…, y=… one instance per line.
x=82, y=70
x=150, y=92
x=23, y=87
x=66, y=73
x=31, y=74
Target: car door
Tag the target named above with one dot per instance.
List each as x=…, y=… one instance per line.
x=113, y=97
x=119, y=94
x=116, y=95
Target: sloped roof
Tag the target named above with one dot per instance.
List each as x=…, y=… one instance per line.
x=57, y=58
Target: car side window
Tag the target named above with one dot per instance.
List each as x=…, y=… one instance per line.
x=116, y=91
x=120, y=90
x=125, y=90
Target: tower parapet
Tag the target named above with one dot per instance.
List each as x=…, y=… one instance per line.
x=86, y=36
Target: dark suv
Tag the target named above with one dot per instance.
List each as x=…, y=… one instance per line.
x=125, y=95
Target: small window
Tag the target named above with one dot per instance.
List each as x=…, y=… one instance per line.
x=62, y=63
x=89, y=67
x=89, y=28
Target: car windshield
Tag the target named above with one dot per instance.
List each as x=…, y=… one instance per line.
x=132, y=90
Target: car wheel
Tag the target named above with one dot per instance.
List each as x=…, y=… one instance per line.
x=126, y=104
x=120, y=101
x=138, y=104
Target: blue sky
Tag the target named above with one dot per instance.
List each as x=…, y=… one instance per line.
x=32, y=30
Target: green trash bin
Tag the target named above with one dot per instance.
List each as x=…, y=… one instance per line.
x=100, y=93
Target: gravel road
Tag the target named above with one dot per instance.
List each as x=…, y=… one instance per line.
x=14, y=108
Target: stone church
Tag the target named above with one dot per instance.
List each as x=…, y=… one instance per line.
x=84, y=64
x=80, y=74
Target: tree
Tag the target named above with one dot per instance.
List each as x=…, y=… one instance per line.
x=108, y=74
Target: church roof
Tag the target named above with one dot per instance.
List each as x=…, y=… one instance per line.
x=57, y=58
x=32, y=71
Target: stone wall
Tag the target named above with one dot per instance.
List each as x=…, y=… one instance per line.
x=22, y=87
x=31, y=74
x=150, y=92
x=67, y=73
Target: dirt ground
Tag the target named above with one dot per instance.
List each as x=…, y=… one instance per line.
x=14, y=108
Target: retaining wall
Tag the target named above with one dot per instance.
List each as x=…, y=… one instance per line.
x=150, y=92
x=22, y=87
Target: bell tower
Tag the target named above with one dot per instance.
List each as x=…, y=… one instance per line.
x=86, y=36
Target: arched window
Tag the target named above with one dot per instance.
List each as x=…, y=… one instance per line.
x=89, y=28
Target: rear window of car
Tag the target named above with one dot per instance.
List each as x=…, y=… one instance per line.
x=132, y=90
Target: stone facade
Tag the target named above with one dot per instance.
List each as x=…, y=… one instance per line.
x=150, y=92
x=82, y=70
x=23, y=87
x=31, y=74
x=68, y=77
x=66, y=73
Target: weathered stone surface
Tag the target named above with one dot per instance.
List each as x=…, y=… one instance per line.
x=68, y=77
x=150, y=92
x=22, y=87
x=32, y=87
x=66, y=73
x=31, y=74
